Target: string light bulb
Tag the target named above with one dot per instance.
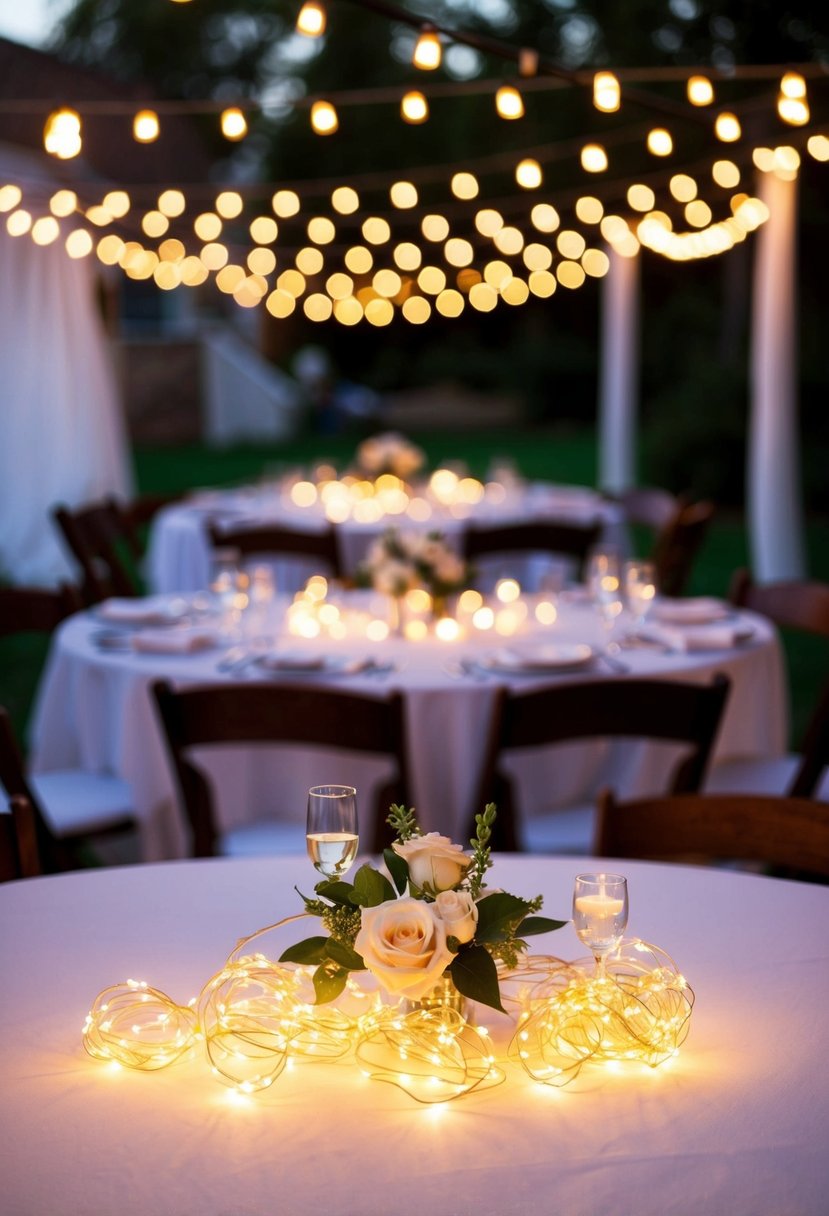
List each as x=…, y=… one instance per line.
x=145, y=127
x=528, y=174
x=509, y=102
x=311, y=19
x=792, y=105
x=324, y=118
x=62, y=133
x=700, y=91
x=233, y=123
x=428, y=52
x=414, y=107
x=727, y=127
x=660, y=142
x=593, y=158
x=606, y=92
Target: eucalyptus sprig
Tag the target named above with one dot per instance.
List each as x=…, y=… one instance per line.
x=481, y=852
x=404, y=822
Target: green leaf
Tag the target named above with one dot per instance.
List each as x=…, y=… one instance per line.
x=329, y=981
x=336, y=890
x=398, y=868
x=311, y=950
x=371, y=888
x=498, y=916
x=345, y=956
x=476, y=976
x=539, y=924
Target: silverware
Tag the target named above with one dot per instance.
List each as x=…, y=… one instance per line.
x=609, y=656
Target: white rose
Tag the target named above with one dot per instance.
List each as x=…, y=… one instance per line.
x=459, y=912
x=403, y=944
x=435, y=863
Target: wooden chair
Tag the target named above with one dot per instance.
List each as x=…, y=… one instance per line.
x=19, y=855
x=101, y=538
x=71, y=807
x=279, y=541
x=778, y=831
x=538, y=536
x=676, y=528
x=802, y=606
x=276, y=714
x=665, y=710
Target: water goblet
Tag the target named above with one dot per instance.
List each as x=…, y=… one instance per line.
x=640, y=592
x=604, y=583
x=331, y=828
x=600, y=914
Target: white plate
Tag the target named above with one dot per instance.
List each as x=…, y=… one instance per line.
x=129, y=613
x=287, y=664
x=562, y=657
x=696, y=610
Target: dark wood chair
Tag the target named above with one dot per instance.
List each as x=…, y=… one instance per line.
x=19, y=855
x=274, y=714
x=36, y=609
x=777, y=831
x=71, y=807
x=278, y=541
x=670, y=711
x=101, y=538
x=800, y=605
x=675, y=528
x=538, y=536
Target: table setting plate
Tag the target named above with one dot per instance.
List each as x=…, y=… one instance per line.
x=295, y=664
x=695, y=610
x=562, y=656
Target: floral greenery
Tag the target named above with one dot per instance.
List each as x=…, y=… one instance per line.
x=429, y=872
x=398, y=562
x=392, y=453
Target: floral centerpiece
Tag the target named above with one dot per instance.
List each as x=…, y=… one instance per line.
x=392, y=453
x=398, y=562
x=430, y=918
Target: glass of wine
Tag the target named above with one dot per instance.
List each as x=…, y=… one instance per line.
x=331, y=828
x=600, y=914
x=604, y=583
x=640, y=591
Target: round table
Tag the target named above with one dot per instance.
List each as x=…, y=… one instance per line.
x=94, y=711
x=735, y=1123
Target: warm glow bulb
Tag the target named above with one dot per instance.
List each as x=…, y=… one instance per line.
x=324, y=118
x=414, y=107
x=145, y=127
x=528, y=174
x=593, y=158
x=660, y=142
x=700, y=91
x=727, y=127
x=793, y=110
x=606, y=95
x=793, y=85
x=234, y=124
x=311, y=19
x=62, y=133
x=427, y=52
x=509, y=103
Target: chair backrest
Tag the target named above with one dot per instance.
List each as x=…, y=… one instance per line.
x=278, y=540
x=649, y=506
x=779, y=831
x=677, y=544
x=666, y=710
x=52, y=854
x=538, y=536
x=101, y=538
x=36, y=609
x=278, y=713
x=19, y=856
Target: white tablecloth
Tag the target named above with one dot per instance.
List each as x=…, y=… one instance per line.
x=735, y=1124
x=94, y=711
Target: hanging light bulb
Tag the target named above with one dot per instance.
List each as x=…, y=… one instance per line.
x=700, y=91
x=427, y=53
x=792, y=105
x=509, y=102
x=414, y=107
x=606, y=94
x=311, y=19
x=528, y=174
x=145, y=128
x=324, y=118
x=727, y=127
x=593, y=158
x=234, y=124
x=62, y=133
x=660, y=142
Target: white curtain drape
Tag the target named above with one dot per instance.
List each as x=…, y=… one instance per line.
x=62, y=435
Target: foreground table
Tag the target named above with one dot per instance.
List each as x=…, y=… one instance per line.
x=736, y=1123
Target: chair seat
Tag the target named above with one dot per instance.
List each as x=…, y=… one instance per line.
x=77, y=803
x=569, y=830
x=759, y=777
x=266, y=838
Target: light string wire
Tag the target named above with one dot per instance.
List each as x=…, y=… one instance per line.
x=255, y=1016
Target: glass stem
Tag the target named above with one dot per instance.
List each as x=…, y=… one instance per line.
x=600, y=966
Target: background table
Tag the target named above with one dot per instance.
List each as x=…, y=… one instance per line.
x=94, y=711
x=736, y=1123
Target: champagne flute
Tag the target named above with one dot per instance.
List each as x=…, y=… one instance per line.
x=331, y=828
x=640, y=591
x=604, y=582
x=600, y=914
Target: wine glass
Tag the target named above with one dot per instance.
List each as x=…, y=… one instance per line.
x=600, y=913
x=604, y=583
x=331, y=828
x=640, y=591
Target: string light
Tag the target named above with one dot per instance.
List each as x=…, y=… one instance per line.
x=62, y=133
x=414, y=107
x=311, y=19
x=727, y=127
x=593, y=158
x=528, y=174
x=700, y=91
x=660, y=142
x=427, y=52
x=606, y=92
x=792, y=105
x=509, y=102
x=233, y=123
x=324, y=118
x=145, y=127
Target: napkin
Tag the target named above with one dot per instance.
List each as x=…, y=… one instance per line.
x=698, y=637
x=174, y=641
x=695, y=610
x=154, y=610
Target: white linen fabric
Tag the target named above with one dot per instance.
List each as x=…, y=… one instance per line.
x=62, y=436
x=735, y=1123
x=94, y=711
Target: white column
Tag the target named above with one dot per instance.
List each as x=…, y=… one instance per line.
x=775, y=520
x=619, y=374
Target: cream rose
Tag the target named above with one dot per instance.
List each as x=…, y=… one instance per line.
x=459, y=913
x=435, y=863
x=403, y=944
